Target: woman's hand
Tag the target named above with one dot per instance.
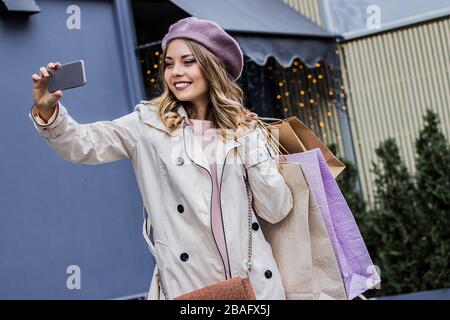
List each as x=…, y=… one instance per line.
x=247, y=124
x=45, y=101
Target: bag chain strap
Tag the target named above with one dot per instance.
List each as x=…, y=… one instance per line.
x=161, y=285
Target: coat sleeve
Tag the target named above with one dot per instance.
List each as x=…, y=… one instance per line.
x=272, y=197
x=92, y=143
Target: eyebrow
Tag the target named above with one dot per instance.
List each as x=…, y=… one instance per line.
x=184, y=56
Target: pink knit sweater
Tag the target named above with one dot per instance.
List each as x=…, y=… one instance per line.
x=206, y=134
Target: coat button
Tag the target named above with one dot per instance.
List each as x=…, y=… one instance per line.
x=255, y=226
x=268, y=274
x=179, y=161
x=180, y=208
x=184, y=257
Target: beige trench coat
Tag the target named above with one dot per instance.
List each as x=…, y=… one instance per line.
x=175, y=182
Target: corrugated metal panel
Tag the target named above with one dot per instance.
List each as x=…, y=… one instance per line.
x=391, y=79
x=309, y=8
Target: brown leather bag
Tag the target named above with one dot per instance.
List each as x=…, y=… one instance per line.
x=236, y=288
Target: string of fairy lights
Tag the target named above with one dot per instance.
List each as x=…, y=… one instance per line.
x=315, y=95
x=150, y=63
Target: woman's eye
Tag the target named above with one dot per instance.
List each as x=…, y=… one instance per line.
x=168, y=65
x=187, y=61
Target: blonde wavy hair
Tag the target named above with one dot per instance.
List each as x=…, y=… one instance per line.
x=226, y=97
x=226, y=107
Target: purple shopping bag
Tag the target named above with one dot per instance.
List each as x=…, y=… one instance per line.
x=357, y=270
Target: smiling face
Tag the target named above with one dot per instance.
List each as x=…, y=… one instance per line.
x=182, y=68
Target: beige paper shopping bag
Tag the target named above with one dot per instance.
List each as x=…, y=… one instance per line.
x=301, y=245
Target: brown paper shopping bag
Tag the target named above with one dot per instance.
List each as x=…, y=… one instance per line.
x=301, y=245
x=296, y=137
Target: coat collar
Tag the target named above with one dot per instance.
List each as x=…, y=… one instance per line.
x=191, y=145
x=152, y=118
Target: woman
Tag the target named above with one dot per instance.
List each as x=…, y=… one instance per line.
x=190, y=149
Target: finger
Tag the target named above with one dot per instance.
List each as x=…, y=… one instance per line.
x=35, y=78
x=44, y=72
x=50, y=65
x=248, y=113
x=251, y=116
x=57, y=64
x=58, y=94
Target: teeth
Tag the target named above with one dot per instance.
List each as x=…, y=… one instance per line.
x=182, y=84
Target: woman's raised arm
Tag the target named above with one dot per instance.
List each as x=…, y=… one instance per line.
x=93, y=143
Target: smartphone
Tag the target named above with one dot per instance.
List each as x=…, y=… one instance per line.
x=66, y=76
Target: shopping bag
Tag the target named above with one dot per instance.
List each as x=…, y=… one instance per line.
x=294, y=136
x=357, y=270
x=301, y=245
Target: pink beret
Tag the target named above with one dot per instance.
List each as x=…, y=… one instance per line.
x=213, y=37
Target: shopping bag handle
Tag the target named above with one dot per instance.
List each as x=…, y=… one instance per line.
x=274, y=143
x=267, y=124
x=270, y=119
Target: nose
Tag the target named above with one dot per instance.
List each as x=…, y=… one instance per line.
x=177, y=70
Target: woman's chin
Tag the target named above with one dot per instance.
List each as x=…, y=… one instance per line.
x=183, y=98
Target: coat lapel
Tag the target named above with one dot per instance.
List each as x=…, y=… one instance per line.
x=222, y=150
x=193, y=147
